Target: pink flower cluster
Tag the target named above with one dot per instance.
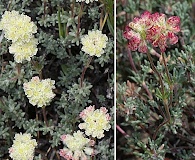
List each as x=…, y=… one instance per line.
x=96, y=121
x=77, y=146
x=153, y=28
x=89, y=110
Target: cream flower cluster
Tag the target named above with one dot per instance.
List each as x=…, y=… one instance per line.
x=77, y=146
x=23, y=147
x=19, y=29
x=95, y=121
x=94, y=43
x=39, y=92
x=86, y=1
x=24, y=51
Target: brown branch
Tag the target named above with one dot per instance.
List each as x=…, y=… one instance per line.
x=131, y=60
x=44, y=116
x=147, y=90
x=122, y=131
x=84, y=70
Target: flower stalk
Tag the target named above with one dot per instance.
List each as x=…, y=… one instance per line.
x=44, y=116
x=169, y=80
x=164, y=99
x=84, y=70
x=79, y=18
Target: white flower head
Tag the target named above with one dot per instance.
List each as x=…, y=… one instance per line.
x=39, y=92
x=95, y=121
x=23, y=147
x=24, y=51
x=17, y=27
x=76, y=147
x=94, y=43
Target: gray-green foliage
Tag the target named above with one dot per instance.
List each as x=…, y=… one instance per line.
x=105, y=58
x=153, y=150
x=104, y=150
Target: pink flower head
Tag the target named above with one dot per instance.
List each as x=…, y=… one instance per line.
x=95, y=121
x=136, y=32
x=63, y=153
x=142, y=23
x=173, y=39
x=86, y=111
x=77, y=147
x=108, y=117
x=174, y=24
x=10, y=150
x=133, y=37
x=163, y=31
x=103, y=109
x=63, y=137
x=153, y=28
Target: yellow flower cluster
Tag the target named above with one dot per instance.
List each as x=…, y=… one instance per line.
x=94, y=43
x=77, y=146
x=39, y=92
x=86, y=1
x=23, y=147
x=95, y=121
x=19, y=29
